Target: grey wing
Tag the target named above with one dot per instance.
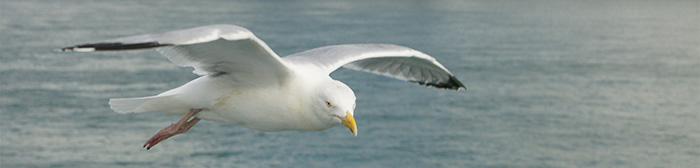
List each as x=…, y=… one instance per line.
x=214, y=49
x=384, y=59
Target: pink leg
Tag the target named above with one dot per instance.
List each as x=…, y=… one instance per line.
x=180, y=127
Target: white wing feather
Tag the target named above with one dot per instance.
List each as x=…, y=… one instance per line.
x=214, y=49
x=384, y=59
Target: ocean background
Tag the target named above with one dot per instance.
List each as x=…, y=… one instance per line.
x=550, y=84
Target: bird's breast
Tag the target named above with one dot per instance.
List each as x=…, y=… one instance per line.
x=264, y=109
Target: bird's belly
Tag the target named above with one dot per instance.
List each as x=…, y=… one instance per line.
x=261, y=109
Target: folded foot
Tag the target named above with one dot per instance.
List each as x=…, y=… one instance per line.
x=180, y=127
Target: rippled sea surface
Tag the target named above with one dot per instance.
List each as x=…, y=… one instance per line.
x=551, y=84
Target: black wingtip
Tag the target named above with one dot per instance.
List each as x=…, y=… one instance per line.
x=452, y=84
x=111, y=47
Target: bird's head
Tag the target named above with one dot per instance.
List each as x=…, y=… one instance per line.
x=336, y=102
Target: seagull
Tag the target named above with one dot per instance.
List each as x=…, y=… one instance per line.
x=243, y=82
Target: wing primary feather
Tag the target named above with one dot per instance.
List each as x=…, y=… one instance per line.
x=453, y=84
x=113, y=46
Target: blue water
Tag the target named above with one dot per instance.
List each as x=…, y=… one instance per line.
x=551, y=84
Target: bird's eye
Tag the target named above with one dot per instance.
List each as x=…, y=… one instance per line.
x=328, y=104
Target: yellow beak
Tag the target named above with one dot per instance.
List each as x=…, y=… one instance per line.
x=349, y=122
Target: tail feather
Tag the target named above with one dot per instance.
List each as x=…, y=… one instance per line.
x=166, y=104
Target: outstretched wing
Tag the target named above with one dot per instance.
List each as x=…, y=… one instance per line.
x=212, y=50
x=384, y=59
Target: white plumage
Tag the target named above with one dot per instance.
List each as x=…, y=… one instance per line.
x=244, y=82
